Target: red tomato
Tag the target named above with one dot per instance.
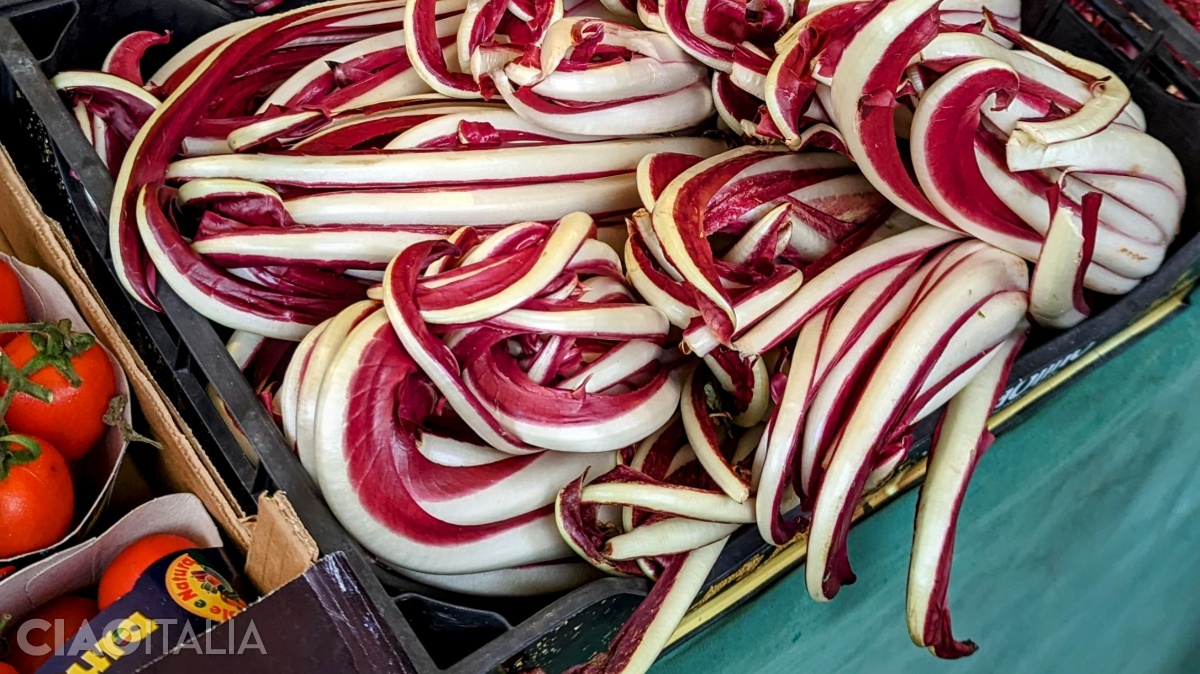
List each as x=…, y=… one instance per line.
x=12, y=301
x=124, y=571
x=37, y=499
x=8, y=669
x=74, y=421
x=74, y=612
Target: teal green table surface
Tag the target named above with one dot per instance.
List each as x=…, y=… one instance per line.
x=1078, y=547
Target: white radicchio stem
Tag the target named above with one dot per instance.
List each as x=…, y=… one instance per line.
x=960, y=441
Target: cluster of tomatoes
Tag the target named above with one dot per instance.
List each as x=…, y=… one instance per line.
x=76, y=610
x=55, y=389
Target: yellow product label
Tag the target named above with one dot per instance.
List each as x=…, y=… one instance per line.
x=115, y=645
x=202, y=591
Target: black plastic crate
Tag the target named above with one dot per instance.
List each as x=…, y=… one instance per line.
x=1155, y=52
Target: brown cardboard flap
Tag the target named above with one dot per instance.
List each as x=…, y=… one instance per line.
x=36, y=239
x=281, y=549
x=5, y=246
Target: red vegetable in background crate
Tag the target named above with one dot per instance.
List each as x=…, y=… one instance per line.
x=1188, y=9
x=261, y=6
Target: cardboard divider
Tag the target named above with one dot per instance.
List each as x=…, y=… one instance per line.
x=281, y=548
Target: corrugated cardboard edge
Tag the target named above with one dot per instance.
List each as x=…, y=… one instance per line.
x=36, y=239
x=281, y=549
x=5, y=246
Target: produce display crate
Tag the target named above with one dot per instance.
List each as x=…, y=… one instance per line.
x=1135, y=27
x=441, y=632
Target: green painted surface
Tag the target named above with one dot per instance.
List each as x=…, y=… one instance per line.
x=1078, y=550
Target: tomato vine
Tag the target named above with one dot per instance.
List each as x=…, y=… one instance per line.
x=56, y=345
